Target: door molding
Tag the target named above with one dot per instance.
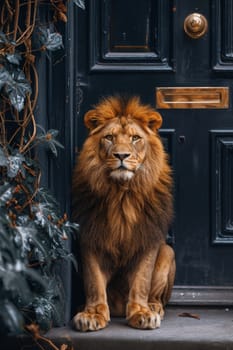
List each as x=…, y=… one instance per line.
x=202, y=295
x=222, y=27
x=114, y=48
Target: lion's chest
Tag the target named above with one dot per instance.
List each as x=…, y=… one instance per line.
x=123, y=230
x=122, y=214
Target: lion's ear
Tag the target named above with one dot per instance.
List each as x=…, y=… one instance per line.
x=91, y=120
x=155, y=121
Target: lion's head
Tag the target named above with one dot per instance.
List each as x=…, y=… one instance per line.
x=122, y=134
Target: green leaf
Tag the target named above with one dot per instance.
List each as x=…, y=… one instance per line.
x=51, y=40
x=3, y=38
x=52, y=148
x=54, y=41
x=80, y=3
x=70, y=257
x=5, y=193
x=49, y=139
x=14, y=283
x=11, y=319
x=4, y=77
x=35, y=277
x=14, y=164
x=17, y=87
x=52, y=132
x=43, y=312
x=29, y=239
x=3, y=157
x=14, y=58
x=8, y=253
x=44, y=196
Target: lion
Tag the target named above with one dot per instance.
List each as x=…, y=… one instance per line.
x=122, y=199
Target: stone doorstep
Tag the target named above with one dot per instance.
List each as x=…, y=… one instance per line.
x=212, y=331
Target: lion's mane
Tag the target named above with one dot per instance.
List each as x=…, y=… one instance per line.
x=121, y=219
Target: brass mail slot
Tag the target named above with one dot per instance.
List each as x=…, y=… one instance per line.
x=192, y=97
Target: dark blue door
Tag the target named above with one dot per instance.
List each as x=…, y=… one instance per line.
x=178, y=56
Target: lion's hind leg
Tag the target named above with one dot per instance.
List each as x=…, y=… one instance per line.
x=162, y=280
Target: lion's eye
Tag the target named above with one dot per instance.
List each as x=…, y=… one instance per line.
x=135, y=138
x=109, y=137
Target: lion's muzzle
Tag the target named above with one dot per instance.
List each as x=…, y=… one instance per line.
x=121, y=155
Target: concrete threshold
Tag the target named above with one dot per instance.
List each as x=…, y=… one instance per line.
x=183, y=328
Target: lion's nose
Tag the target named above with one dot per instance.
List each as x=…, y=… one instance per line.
x=121, y=155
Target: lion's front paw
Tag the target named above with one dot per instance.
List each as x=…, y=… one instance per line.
x=158, y=308
x=142, y=318
x=91, y=319
x=145, y=320
x=85, y=321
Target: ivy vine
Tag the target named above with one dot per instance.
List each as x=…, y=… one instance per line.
x=33, y=232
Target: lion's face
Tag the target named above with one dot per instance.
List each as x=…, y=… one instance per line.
x=122, y=148
x=121, y=138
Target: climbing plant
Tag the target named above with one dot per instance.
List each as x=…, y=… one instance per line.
x=33, y=232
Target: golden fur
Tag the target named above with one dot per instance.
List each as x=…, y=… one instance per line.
x=123, y=202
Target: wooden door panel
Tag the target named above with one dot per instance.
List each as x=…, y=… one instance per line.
x=129, y=35
x=222, y=38
x=221, y=172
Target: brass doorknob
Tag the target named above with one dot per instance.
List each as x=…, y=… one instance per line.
x=195, y=25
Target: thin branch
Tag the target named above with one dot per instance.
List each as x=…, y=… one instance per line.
x=31, y=27
x=24, y=35
x=32, y=137
x=28, y=17
x=14, y=134
x=16, y=21
x=2, y=131
x=36, y=85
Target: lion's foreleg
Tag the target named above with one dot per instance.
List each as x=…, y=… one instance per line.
x=138, y=313
x=162, y=279
x=96, y=312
